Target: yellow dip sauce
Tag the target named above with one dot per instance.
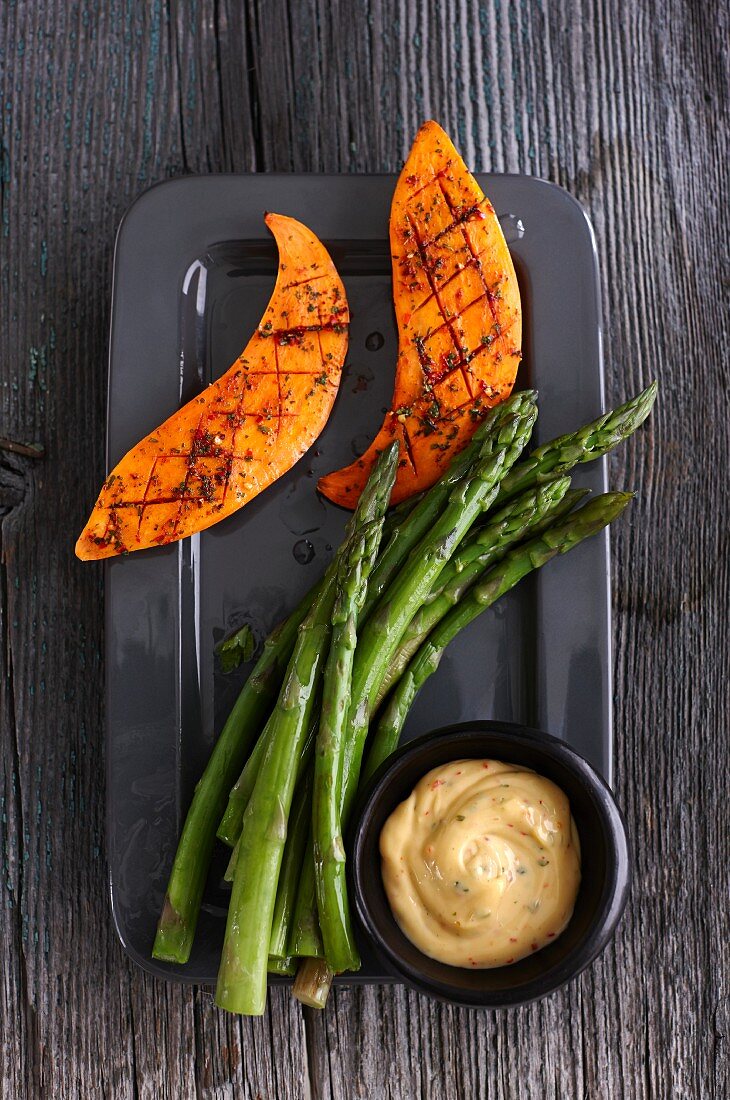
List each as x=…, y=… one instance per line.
x=481, y=864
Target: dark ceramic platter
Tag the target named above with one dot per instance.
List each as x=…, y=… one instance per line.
x=194, y=268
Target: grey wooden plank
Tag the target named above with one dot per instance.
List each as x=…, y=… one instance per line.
x=626, y=106
x=99, y=101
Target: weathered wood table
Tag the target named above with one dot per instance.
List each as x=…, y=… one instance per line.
x=626, y=105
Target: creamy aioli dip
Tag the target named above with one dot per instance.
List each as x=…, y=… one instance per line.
x=481, y=863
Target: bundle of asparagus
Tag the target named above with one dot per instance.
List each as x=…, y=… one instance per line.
x=281, y=780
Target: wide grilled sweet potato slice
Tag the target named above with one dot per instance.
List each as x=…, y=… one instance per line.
x=245, y=430
x=457, y=305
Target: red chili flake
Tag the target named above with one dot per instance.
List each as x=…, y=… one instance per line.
x=534, y=946
x=509, y=961
x=437, y=783
x=411, y=180
x=550, y=935
x=485, y=765
x=513, y=939
x=290, y=336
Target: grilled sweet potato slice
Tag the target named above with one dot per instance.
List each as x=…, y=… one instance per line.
x=245, y=430
x=457, y=305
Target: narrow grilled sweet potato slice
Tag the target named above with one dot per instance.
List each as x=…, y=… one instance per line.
x=244, y=431
x=457, y=305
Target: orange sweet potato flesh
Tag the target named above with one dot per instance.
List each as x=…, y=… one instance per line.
x=457, y=304
x=246, y=429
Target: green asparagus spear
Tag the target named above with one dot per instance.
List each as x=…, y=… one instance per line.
x=305, y=938
x=230, y=870
x=397, y=513
x=588, y=443
x=229, y=829
x=527, y=514
x=557, y=539
x=242, y=975
x=176, y=927
x=291, y=866
x=352, y=582
x=286, y=967
x=248, y=775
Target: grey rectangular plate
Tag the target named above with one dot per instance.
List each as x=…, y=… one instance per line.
x=194, y=267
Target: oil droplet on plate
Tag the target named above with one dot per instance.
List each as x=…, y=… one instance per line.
x=363, y=380
x=303, y=551
x=301, y=511
x=513, y=227
x=359, y=445
x=374, y=341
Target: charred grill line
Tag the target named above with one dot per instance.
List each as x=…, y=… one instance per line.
x=475, y=257
x=303, y=282
x=278, y=388
x=434, y=179
x=447, y=282
x=280, y=334
x=409, y=449
x=468, y=214
x=188, y=470
x=461, y=361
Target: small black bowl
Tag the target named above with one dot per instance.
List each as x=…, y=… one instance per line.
x=605, y=864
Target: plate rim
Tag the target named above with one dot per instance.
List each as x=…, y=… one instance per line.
x=123, y=240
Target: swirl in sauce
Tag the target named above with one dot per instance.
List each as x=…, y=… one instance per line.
x=481, y=863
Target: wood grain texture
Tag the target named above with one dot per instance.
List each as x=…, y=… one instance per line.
x=626, y=105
